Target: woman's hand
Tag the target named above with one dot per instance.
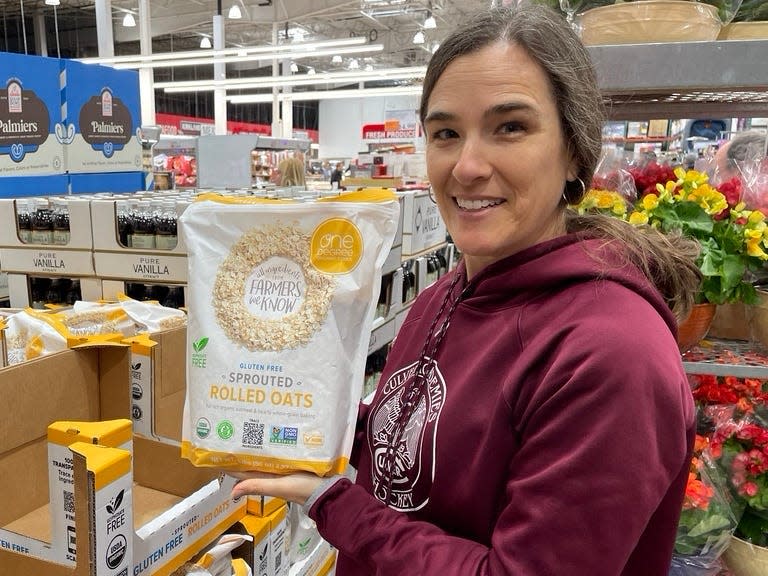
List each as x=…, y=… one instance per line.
x=297, y=487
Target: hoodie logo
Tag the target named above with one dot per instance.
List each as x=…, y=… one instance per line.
x=414, y=466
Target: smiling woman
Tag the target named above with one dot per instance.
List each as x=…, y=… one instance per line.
x=516, y=430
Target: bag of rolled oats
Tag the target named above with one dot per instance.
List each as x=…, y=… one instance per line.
x=281, y=297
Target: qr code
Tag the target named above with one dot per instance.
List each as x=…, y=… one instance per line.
x=253, y=434
x=69, y=502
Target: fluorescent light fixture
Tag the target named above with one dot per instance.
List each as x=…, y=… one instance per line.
x=52, y=2
x=234, y=12
x=435, y=46
x=294, y=67
x=210, y=57
x=286, y=49
x=327, y=95
x=429, y=23
x=336, y=59
x=368, y=68
x=205, y=42
x=354, y=64
x=408, y=73
x=418, y=38
x=129, y=21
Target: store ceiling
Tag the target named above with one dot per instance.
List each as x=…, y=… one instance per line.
x=179, y=25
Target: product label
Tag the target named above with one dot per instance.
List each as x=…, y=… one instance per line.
x=24, y=121
x=106, y=123
x=141, y=394
x=114, y=528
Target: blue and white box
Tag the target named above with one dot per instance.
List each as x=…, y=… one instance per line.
x=30, y=111
x=100, y=117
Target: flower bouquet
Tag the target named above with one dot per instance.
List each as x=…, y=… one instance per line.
x=707, y=520
x=740, y=448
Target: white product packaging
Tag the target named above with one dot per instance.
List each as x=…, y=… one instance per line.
x=281, y=300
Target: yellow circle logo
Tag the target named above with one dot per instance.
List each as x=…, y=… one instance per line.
x=337, y=246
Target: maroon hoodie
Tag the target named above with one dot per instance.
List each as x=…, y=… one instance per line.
x=551, y=435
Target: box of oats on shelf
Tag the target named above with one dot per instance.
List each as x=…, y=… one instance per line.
x=281, y=300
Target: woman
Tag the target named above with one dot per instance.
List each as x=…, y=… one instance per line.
x=534, y=417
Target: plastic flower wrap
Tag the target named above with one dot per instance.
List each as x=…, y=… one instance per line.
x=613, y=174
x=708, y=518
x=650, y=172
x=740, y=449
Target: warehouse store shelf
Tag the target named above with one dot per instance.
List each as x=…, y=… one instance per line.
x=684, y=79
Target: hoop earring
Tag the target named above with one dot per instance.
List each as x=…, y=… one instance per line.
x=431, y=195
x=583, y=189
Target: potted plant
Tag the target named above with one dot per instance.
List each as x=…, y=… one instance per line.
x=639, y=21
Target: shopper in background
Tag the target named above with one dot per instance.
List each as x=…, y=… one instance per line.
x=533, y=417
x=744, y=146
x=292, y=172
x=337, y=175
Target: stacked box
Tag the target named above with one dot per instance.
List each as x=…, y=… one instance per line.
x=31, y=133
x=140, y=517
x=101, y=118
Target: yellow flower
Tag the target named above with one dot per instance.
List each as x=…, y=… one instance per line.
x=650, y=201
x=754, y=249
x=711, y=200
x=638, y=218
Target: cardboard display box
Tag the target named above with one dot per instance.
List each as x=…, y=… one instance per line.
x=20, y=292
x=175, y=508
x=18, y=186
x=423, y=228
x=158, y=383
x=103, y=111
x=30, y=111
x=79, y=211
x=267, y=554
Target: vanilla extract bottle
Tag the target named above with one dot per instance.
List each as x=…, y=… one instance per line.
x=61, y=229
x=124, y=223
x=41, y=221
x=24, y=221
x=166, y=224
x=144, y=226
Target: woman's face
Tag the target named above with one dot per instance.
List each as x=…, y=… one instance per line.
x=496, y=155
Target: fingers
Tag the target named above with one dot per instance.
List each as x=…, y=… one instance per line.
x=293, y=487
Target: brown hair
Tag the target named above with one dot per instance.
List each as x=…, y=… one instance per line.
x=667, y=261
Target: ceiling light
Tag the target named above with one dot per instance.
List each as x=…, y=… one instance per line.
x=368, y=68
x=418, y=38
x=234, y=12
x=52, y=2
x=128, y=20
x=327, y=94
x=336, y=59
x=294, y=67
x=214, y=57
x=205, y=42
x=270, y=52
x=407, y=73
x=429, y=23
x=310, y=71
x=435, y=46
x=354, y=64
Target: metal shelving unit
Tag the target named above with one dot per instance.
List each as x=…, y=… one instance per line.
x=718, y=357
x=684, y=79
